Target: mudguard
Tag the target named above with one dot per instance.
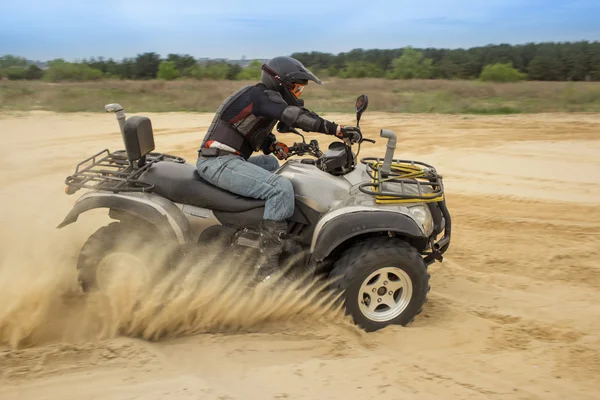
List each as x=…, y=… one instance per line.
x=158, y=211
x=349, y=222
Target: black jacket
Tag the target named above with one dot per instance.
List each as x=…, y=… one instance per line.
x=245, y=120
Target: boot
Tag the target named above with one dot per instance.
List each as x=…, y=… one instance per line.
x=271, y=241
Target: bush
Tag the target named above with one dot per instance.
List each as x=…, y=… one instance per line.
x=411, y=65
x=15, y=73
x=33, y=72
x=251, y=72
x=361, y=69
x=167, y=71
x=501, y=73
x=60, y=71
x=210, y=70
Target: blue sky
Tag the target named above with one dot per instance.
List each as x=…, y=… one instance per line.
x=75, y=29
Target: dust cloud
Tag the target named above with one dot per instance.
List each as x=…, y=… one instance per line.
x=194, y=295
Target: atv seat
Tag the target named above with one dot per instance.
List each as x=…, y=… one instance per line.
x=181, y=183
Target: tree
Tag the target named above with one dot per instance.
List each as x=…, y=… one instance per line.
x=361, y=69
x=411, y=65
x=8, y=61
x=167, y=71
x=182, y=62
x=544, y=68
x=501, y=73
x=33, y=72
x=146, y=66
x=233, y=72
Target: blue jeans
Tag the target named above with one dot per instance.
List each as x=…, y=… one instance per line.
x=253, y=178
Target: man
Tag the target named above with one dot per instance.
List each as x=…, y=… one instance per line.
x=241, y=126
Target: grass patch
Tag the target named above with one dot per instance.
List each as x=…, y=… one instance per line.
x=336, y=95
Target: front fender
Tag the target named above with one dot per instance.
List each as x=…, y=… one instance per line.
x=353, y=221
x=158, y=211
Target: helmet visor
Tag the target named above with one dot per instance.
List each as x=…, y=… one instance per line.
x=298, y=88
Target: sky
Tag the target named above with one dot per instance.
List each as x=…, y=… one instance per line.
x=77, y=29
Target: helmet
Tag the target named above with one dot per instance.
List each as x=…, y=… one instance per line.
x=287, y=76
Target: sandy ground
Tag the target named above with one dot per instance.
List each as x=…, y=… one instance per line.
x=513, y=313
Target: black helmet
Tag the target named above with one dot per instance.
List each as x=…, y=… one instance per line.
x=287, y=76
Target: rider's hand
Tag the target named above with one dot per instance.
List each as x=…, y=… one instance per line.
x=280, y=150
x=352, y=133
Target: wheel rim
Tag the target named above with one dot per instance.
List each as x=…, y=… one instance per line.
x=385, y=294
x=120, y=268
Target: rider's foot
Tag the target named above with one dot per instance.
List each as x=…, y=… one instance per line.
x=272, y=238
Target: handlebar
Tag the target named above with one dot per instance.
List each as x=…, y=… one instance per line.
x=312, y=148
x=300, y=149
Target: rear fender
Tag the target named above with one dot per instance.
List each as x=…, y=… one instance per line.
x=156, y=210
x=349, y=222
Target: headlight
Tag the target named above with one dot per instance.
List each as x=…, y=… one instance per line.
x=422, y=215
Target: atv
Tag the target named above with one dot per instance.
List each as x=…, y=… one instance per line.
x=371, y=226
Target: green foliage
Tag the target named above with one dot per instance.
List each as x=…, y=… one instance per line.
x=146, y=66
x=501, y=73
x=361, y=69
x=569, y=61
x=60, y=71
x=576, y=61
x=233, y=72
x=251, y=72
x=210, y=70
x=181, y=62
x=411, y=65
x=167, y=71
x=332, y=70
x=8, y=61
x=33, y=72
x=14, y=73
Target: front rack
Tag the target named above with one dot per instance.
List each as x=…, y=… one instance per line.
x=411, y=180
x=113, y=172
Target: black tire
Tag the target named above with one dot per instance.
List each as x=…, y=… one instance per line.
x=363, y=259
x=115, y=237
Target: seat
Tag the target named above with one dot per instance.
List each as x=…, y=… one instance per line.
x=181, y=183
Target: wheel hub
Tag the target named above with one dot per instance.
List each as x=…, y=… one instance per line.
x=385, y=294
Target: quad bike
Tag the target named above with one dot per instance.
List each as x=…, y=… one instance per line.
x=371, y=227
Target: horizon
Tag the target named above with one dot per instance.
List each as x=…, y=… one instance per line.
x=240, y=58
x=71, y=31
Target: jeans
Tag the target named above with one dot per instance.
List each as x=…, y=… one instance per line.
x=252, y=178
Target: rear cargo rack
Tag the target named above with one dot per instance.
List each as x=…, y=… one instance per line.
x=408, y=181
x=113, y=172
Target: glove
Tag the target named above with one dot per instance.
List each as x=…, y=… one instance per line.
x=281, y=150
x=349, y=132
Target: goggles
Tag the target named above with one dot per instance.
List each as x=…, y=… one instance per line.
x=297, y=89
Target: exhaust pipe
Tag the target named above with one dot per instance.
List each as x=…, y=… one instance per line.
x=389, y=153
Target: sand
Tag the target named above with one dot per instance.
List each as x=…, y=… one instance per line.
x=513, y=312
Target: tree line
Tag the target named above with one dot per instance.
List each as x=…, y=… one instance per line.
x=569, y=61
x=549, y=61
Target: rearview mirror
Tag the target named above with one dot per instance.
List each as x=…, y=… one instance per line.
x=361, y=105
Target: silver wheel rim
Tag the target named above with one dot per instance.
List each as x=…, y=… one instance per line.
x=120, y=268
x=385, y=294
